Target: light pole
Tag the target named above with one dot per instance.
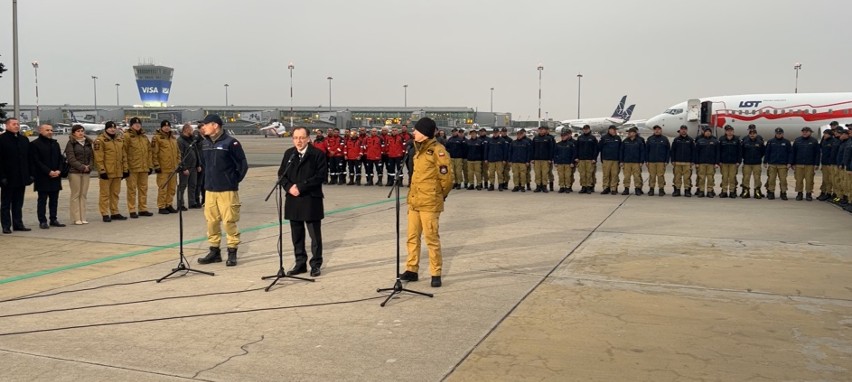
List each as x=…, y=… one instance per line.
x=540, y=68
x=291, y=67
x=226, y=95
x=405, y=89
x=95, y=83
x=492, y=100
x=329, y=92
x=579, y=77
x=16, y=93
x=117, y=103
x=35, y=67
x=797, y=67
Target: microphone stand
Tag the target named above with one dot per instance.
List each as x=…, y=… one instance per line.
x=277, y=187
x=182, y=265
x=397, y=287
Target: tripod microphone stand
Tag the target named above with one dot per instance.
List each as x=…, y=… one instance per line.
x=397, y=287
x=183, y=264
x=281, y=273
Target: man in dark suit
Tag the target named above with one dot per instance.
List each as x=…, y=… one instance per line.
x=14, y=176
x=303, y=205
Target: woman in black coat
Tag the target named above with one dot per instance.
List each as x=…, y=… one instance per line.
x=46, y=160
x=304, y=202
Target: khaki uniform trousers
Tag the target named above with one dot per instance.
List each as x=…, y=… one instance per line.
x=458, y=170
x=137, y=190
x=464, y=171
x=474, y=173
x=79, y=184
x=847, y=187
x=541, y=168
x=495, y=172
x=752, y=172
x=587, y=170
x=426, y=223
x=610, y=174
x=108, y=196
x=166, y=195
x=566, y=175
x=682, y=175
x=506, y=169
x=778, y=171
x=839, y=181
x=634, y=171
x=657, y=174
x=222, y=207
x=804, y=175
x=827, y=186
x=519, y=174
x=483, y=172
x=706, y=177
x=729, y=177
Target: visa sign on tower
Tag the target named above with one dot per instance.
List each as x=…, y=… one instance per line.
x=154, y=83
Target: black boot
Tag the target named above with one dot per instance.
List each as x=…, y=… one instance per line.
x=770, y=195
x=333, y=180
x=823, y=197
x=369, y=181
x=662, y=192
x=491, y=187
x=687, y=193
x=800, y=197
x=516, y=189
x=357, y=180
x=625, y=192
x=844, y=201
x=341, y=179
x=528, y=187
x=699, y=193
x=550, y=186
x=711, y=194
x=723, y=195
x=351, y=181
x=676, y=192
x=569, y=190
x=436, y=282
x=537, y=189
x=745, y=194
x=651, y=191
x=637, y=191
x=758, y=194
x=809, y=197
x=56, y=223
x=605, y=191
x=232, y=257
x=214, y=256
x=783, y=196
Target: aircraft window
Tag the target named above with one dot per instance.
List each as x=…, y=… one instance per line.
x=814, y=111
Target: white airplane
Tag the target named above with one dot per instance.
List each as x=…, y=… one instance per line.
x=278, y=128
x=89, y=128
x=619, y=117
x=791, y=112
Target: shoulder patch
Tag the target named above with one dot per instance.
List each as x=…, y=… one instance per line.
x=443, y=170
x=441, y=154
x=236, y=143
x=97, y=144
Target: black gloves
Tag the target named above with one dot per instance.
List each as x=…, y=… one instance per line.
x=150, y=171
x=124, y=175
x=181, y=169
x=30, y=181
x=104, y=176
x=158, y=171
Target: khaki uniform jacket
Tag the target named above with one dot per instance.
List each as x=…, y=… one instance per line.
x=432, y=178
x=136, y=148
x=164, y=151
x=110, y=156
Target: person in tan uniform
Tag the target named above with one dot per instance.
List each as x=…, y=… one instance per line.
x=165, y=158
x=431, y=182
x=139, y=165
x=111, y=162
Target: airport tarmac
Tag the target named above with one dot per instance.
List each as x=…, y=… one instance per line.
x=545, y=287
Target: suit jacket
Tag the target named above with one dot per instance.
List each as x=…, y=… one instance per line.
x=14, y=160
x=307, y=173
x=45, y=157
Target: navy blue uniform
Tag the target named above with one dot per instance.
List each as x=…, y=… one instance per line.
x=730, y=150
x=632, y=151
x=566, y=152
x=610, y=147
x=778, y=151
x=497, y=150
x=657, y=149
x=806, y=151
x=543, y=146
x=707, y=150
x=520, y=151
x=753, y=150
x=224, y=163
x=587, y=147
x=475, y=149
x=456, y=147
x=683, y=149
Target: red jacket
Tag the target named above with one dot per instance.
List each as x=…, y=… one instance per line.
x=385, y=138
x=395, y=146
x=374, y=147
x=405, y=137
x=354, y=149
x=321, y=145
x=335, y=146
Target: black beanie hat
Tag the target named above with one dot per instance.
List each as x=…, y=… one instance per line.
x=426, y=126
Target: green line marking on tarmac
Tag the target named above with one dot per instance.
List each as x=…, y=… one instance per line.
x=168, y=246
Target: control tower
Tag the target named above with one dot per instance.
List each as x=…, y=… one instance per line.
x=154, y=83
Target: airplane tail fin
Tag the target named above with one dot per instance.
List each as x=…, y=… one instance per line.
x=73, y=117
x=628, y=113
x=619, y=110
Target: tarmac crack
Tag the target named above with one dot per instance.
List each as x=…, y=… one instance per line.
x=245, y=350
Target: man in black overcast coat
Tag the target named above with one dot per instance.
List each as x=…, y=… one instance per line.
x=303, y=204
x=14, y=176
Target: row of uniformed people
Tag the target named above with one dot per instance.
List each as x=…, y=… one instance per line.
x=354, y=149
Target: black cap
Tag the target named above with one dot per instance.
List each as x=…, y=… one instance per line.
x=833, y=123
x=522, y=131
x=454, y=130
x=706, y=128
x=611, y=127
x=729, y=127
x=482, y=129
x=586, y=127
x=807, y=129
x=165, y=122
x=426, y=126
x=134, y=120
x=779, y=130
x=633, y=130
x=752, y=128
x=503, y=129
x=495, y=130
x=843, y=131
x=657, y=127
x=212, y=118
x=683, y=127
x=109, y=124
x=566, y=131
x=827, y=131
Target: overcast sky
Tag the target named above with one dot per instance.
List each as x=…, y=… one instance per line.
x=449, y=52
